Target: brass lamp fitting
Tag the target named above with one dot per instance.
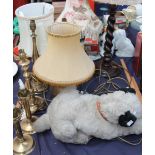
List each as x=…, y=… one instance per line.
x=26, y=123
x=22, y=144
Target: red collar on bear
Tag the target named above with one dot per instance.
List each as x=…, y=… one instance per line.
x=98, y=106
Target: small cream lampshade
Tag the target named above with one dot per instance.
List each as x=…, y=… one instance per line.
x=64, y=62
x=43, y=14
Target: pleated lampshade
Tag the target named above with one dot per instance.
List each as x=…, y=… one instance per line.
x=64, y=62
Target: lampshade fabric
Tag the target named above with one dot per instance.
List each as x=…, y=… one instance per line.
x=78, y=12
x=64, y=62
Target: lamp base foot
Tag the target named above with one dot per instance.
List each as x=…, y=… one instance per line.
x=25, y=147
x=112, y=70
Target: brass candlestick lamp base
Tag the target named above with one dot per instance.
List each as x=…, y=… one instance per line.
x=37, y=85
x=37, y=103
x=26, y=125
x=32, y=85
x=25, y=147
x=22, y=144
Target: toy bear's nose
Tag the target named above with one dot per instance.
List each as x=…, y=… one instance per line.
x=127, y=120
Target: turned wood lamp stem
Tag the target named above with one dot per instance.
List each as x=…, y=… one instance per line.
x=109, y=36
x=107, y=59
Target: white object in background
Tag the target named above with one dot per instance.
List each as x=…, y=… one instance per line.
x=129, y=13
x=105, y=19
x=139, y=19
x=21, y=84
x=79, y=12
x=15, y=68
x=43, y=14
x=123, y=44
x=138, y=8
x=23, y=115
x=141, y=28
x=133, y=11
x=94, y=58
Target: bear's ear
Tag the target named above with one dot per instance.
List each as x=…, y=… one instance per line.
x=127, y=120
x=127, y=90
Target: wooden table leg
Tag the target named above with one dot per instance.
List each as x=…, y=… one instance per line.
x=131, y=80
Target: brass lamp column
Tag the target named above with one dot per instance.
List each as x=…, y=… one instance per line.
x=35, y=102
x=26, y=123
x=35, y=53
x=37, y=85
x=22, y=144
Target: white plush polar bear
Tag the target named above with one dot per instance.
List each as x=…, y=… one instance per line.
x=76, y=118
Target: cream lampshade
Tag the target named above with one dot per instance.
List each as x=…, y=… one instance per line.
x=43, y=14
x=79, y=12
x=64, y=62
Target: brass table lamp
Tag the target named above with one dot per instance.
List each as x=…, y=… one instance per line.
x=26, y=123
x=22, y=144
x=38, y=86
x=35, y=102
x=64, y=62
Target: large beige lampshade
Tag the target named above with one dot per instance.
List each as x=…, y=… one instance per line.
x=120, y=2
x=64, y=62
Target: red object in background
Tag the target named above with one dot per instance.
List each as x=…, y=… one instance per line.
x=18, y=3
x=90, y=41
x=91, y=46
x=16, y=50
x=137, y=66
x=91, y=3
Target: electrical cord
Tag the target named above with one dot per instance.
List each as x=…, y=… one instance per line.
x=118, y=65
x=104, y=87
x=133, y=143
x=45, y=98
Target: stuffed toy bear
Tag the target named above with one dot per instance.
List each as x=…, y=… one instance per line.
x=76, y=118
